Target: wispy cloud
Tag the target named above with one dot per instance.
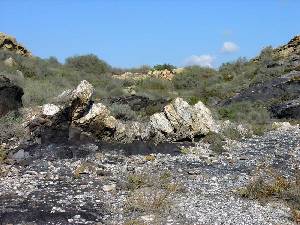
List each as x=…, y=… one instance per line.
x=230, y=47
x=200, y=60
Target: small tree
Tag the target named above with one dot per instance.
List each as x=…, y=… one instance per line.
x=164, y=67
x=88, y=63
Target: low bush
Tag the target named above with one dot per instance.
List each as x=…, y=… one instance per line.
x=87, y=63
x=164, y=67
x=274, y=186
x=151, y=193
x=216, y=141
x=122, y=112
x=245, y=112
x=11, y=127
x=193, y=77
x=3, y=155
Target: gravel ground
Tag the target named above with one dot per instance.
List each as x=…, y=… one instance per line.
x=97, y=184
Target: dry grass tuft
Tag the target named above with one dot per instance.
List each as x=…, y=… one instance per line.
x=275, y=186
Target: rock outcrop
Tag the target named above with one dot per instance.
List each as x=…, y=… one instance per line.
x=78, y=113
x=160, y=74
x=281, y=95
x=181, y=120
x=291, y=49
x=288, y=109
x=10, y=96
x=163, y=74
x=286, y=87
x=9, y=43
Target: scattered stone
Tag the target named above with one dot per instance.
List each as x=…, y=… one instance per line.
x=282, y=126
x=109, y=187
x=148, y=218
x=19, y=155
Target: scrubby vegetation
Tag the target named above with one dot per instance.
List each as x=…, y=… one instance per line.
x=151, y=193
x=43, y=79
x=87, y=63
x=164, y=67
x=271, y=185
x=10, y=127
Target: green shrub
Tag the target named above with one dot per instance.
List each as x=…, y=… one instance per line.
x=193, y=77
x=88, y=63
x=245, y=112
x=216, y=141
x=40, y=91
x=123, y=112
x=164, y=67
x=275, y=186
x=144, y=69
x=154, y=88
x=11, y=127
x=3, y=155
x=232, y=133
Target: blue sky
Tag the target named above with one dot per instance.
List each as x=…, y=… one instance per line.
x=135, y=32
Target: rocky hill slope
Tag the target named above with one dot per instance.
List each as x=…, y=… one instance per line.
x=78, y=160
x=280, y=94
x=289, y=51
x=10, y=43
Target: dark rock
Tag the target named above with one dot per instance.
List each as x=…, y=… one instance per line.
x=288, y=109
x=279, y=89
x=10, y=96
x=54, y=128
x=280, y=95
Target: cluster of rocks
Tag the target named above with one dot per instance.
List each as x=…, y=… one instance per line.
x=161, y=74
x=10, y=96
x=130, y=75
x=165, y=74
x=291, y=49
x=9, y=43
x=77, y=117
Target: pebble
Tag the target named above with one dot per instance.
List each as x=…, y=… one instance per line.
x=109, y=187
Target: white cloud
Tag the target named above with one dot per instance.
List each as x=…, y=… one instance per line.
x=230, y=47
x=200, y=60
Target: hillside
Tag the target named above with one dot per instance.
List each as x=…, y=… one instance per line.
x=82, y=142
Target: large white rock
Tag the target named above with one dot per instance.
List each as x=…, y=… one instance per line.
x=159, y=122
x=180, y=120
x=202, y=119
x=50, y=109
x=97, y=113
x=83, y=91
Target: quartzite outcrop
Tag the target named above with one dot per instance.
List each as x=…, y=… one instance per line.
x=77, y=112
x=9, y=43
